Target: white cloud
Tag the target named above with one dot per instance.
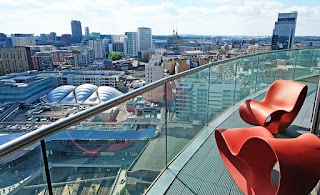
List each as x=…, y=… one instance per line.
x=250, y=17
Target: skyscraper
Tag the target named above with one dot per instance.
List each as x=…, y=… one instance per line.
x=87, y=33
x=76, y=31
x=284, y=30
x=66, y=39
x=144, y=39
x=96, y=45
x=130, y=44
x=3, y=38
x=53, y=36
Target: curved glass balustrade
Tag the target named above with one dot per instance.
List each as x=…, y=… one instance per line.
x=124, y=144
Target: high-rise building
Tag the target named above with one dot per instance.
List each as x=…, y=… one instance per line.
x=66, y=39
x=15, y=59
x=96, y=45
x=9, y=42
x=117, y=38
x=24, y=40
x=53, y=36
x=95, y=35
x=44, y=38
x=117, y=47
x=105, y=45
x=144, y=39
x=130, y=44
x=284, y=30
x=117, y=43
x=154, y=71
x=3, y=38
x=76, y=31
x=87, y=33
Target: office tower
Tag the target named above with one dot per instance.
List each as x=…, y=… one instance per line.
x=3, y=38
x=76, y=31
x=15, y=59
x=105, y=45
x=117, y=43
x=130, y=44
x=117, y=38
x=23, y=40
x=9, y=42
x=96, y=45
x=95, y=35
x=117, y=47
x=53, y=36
x=87, y=33
x=216, y=40
x=44, y=37
x=284, y=30
x=144, y=39
x=66, y=39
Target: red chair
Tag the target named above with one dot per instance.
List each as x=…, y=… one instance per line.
x=279, y=107
x=251, y=153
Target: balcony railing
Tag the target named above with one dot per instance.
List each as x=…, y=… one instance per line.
x=125, y=143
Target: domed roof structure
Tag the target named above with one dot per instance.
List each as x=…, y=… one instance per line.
x=83, y=94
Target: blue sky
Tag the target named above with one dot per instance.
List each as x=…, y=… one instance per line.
x=205, y=17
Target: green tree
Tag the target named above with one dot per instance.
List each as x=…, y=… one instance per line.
x=114, y=56
x=123, y=191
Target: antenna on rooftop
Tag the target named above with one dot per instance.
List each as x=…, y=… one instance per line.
x=177, y=25
x=173, y=31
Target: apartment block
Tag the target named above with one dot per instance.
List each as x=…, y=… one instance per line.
x=15, y=59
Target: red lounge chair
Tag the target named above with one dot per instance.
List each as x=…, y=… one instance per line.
x=279, y=107
x=251, y=153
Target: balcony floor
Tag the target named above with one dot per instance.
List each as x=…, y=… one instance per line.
x=204, y=172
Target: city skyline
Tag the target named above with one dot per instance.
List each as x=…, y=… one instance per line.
x=205, y=17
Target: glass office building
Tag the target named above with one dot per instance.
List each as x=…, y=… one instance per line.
x=284, y=30
x=76, y=31
x=24, y=92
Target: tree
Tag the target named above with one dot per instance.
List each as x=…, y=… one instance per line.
x=114, y=56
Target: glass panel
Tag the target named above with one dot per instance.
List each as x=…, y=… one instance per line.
x=266, y=70
x=224, y=89
x=187, y=107
x=23, y=172
x=285, y=65
x=304, y=64
x=309, y=74
x=123, y=147
x=247, y=74
x=315, y=62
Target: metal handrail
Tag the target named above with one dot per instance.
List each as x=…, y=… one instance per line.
x=44, y=132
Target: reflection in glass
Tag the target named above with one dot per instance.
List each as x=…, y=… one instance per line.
x=23, y=172
x=123, y=146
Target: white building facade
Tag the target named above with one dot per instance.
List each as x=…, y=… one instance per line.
x=130, y=44
x=154, y=71
x=96, y=45
x=24, y=40
x=144, y=39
